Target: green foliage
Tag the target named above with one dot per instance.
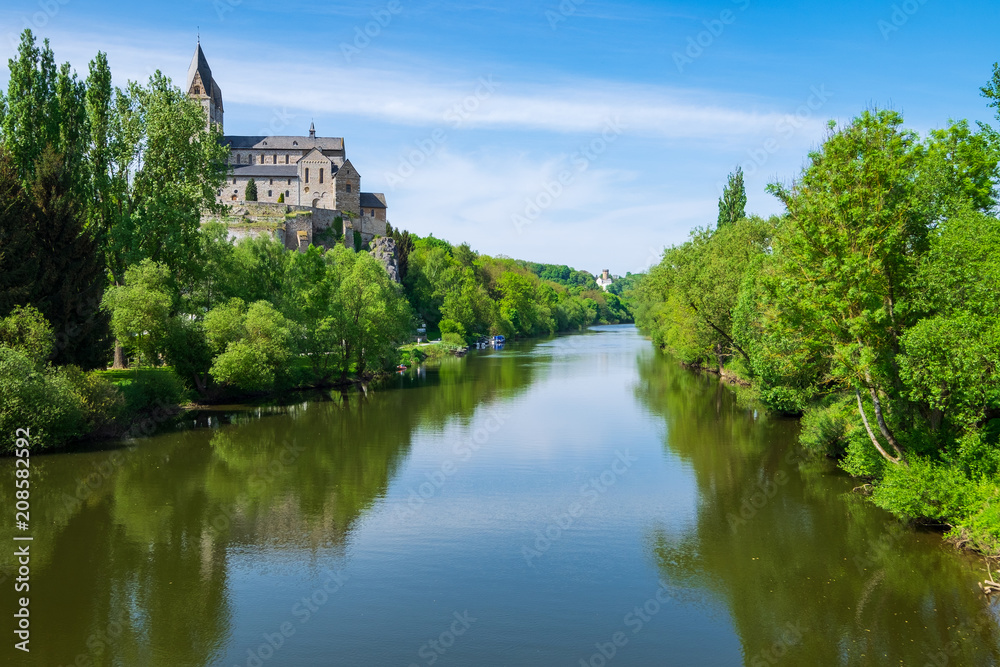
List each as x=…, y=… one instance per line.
x=140, y=309
x=453, y=339
x=826, y=426
x=281, y=197
x=251, y=191
x=40, y=398
x=27, y=332
x=880, y=282
x=252, y=344
x=357, y=240
x=733, y=202
x=145, y=390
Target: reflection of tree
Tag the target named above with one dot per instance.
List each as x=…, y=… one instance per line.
x=140, y=568
x=862, y=589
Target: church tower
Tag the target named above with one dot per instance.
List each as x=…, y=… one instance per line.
x=202, y=87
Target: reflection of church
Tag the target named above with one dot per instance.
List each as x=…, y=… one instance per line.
x=306, y=171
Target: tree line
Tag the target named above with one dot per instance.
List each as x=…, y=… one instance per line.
x=104, y=258
x=869, y=307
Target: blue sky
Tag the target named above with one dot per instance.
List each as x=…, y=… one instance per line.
x=583, y=132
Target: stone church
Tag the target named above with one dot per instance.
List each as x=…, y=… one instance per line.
x=307, y=173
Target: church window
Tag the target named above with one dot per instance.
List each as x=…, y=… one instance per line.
x=307, y=174
x=262, y=158
x=286, y=159
x=348, y=187
x=268, y=193
x=275, y=159
x=321, y=175
x=271, y=182
x=373, y=213
x=197, y=90
x=286, y=193
x=289, y=181
x=234, y=181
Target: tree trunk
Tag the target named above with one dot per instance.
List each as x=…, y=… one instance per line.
x=120, y=363
x=871, y=434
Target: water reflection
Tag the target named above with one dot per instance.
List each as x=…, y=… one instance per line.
x=132, y=550
x=809, y=572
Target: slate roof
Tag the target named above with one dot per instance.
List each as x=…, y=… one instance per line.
x=199, y=65
x=372, y=200
x=265, y=170
x=284, y=143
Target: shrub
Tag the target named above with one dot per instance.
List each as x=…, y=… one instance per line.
x=453, y=339
x=357, y=240
x=452, y=327
x=26, y=330
x=281, y=197
x=825, y=426
x=102, y=401
x=37, y=398
x=151, y=388
x=251, y=191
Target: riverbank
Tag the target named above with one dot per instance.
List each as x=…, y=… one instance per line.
x=968, y=523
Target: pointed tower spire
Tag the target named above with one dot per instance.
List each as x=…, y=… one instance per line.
x=312, y=130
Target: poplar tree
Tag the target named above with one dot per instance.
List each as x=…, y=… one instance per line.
x=733, y=203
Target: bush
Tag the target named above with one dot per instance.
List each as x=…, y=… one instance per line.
x=26, y=330
x=148, y=389
x=37, y=398
x=281, y=197
x=452, y=327
x=453, y=339
x=825, y=426
x=102, y=401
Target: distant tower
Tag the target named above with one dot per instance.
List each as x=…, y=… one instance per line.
x=202, y=87
x=312, y=130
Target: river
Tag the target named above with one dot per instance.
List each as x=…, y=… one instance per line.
x=575, y=501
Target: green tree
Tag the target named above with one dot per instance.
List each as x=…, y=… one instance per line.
x=251, y=191
x=733, y=202
x=141, y=309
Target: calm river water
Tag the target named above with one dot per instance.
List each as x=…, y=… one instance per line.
x=577, y=501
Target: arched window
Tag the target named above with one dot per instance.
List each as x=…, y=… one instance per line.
x=307, y=174
x=286, y=159
x=321, y=175
x=348, y=187
x=286, y=193
x=197, y=90
x=262, y=158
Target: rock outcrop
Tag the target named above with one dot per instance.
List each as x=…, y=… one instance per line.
x=383, y=248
